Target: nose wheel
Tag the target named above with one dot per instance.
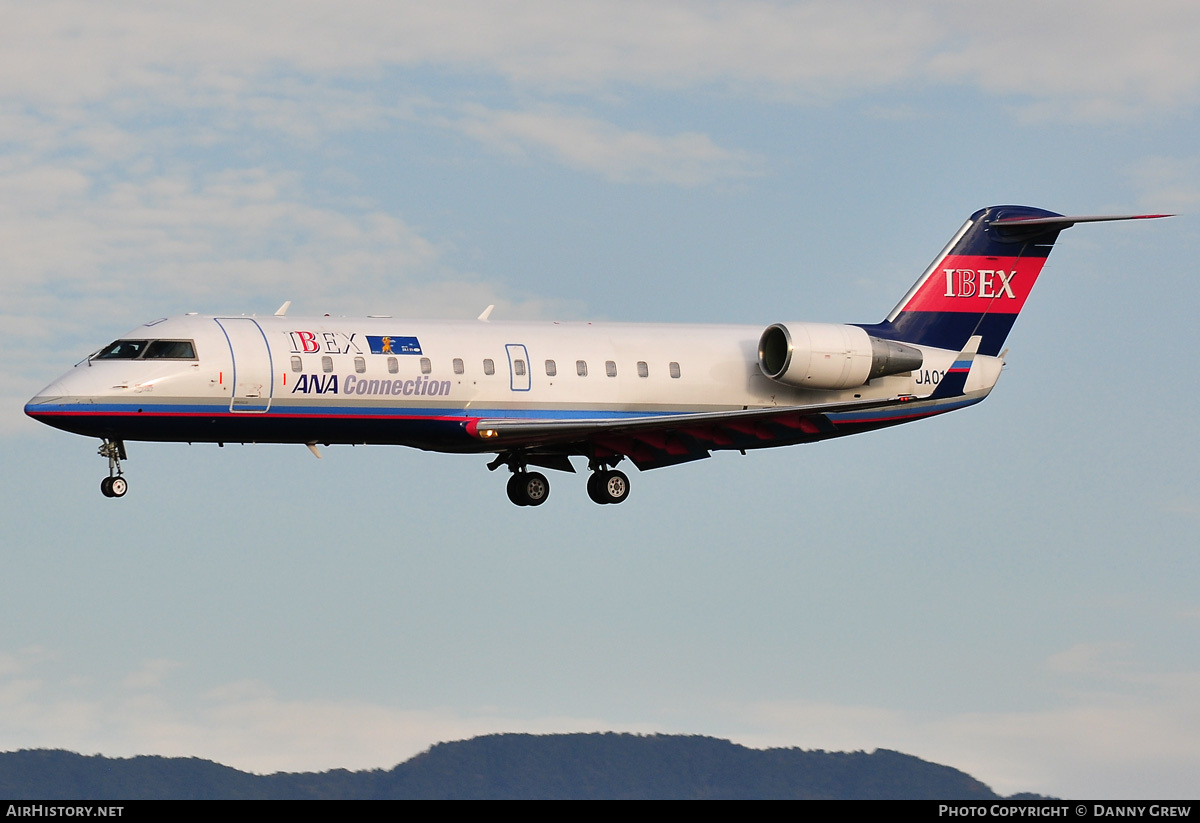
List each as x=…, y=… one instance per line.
x=113, y=487
x=115, y=484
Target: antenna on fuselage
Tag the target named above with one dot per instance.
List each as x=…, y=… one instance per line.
x=486, y=313
x=282, y=310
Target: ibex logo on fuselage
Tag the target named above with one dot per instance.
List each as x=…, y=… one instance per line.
x=981, y=283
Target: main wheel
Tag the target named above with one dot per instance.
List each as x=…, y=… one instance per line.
x=514, y=490
x=616, y=486
x=609, y=486
x=528, y=488
x=595, y=487
x=106, y=487
x=536, y=488
x=118, y=486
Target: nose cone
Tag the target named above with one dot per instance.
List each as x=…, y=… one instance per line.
x=46, y=401
x=54, y=404
x=52, y=395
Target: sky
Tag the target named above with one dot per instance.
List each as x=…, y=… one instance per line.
x=1009, y=590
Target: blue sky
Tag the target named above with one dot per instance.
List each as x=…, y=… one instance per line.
x=1009, y=590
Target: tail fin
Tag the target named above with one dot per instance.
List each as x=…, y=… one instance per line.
x=979, y=283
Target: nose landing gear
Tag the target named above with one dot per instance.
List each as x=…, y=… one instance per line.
x=115, y=484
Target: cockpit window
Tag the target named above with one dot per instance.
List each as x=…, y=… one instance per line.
x=148, y=349
x=122, y=350
x=171, y=350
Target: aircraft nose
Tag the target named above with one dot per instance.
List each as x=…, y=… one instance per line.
x=55, y=389
x=51, y=395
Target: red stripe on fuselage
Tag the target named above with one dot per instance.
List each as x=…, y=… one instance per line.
x=979, y=285
x=268, y=415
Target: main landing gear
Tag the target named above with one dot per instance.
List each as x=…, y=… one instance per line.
x=608, y=486
x=527, y=488
x=115, y=484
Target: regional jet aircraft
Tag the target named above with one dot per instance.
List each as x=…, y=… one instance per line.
x=538, y=394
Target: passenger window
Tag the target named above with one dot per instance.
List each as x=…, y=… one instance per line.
x=393, y=366
x=360, y=365
x=488, y=366
x=551, y=369
x=519, y=368
x=581, y=367
x=643, y=369
x=674, y=369
x=425, y=365
x=610, y=368
x=297, y=363
x=458, y=365
x=326, y=363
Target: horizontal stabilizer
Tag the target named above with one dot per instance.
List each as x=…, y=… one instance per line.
x=1064, y=221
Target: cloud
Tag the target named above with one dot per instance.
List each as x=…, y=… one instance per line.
x=85, y=250
x=1075, y=60
x=1102, y=741
x=1095, y=659
x=1080, y=61
x=1118, y=730
x=243, y=724
x=583, y=142
x=72, y=52
x=152, y=674
x=239, y=235
x=1167, y=183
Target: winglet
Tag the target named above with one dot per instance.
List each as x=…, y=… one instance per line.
x=954, y=381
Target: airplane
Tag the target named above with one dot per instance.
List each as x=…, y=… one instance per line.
x=538, y=394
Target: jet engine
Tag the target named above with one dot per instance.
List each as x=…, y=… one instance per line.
x=830, y=356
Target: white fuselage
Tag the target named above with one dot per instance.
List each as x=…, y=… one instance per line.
x=387, y=380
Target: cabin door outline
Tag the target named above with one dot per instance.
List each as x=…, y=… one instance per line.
x=253, y=377
x=518, y=354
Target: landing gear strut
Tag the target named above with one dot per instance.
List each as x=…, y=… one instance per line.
x=115, y=484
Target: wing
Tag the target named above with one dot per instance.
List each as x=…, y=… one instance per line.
x=667, y=439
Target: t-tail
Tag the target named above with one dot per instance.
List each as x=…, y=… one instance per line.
x=979, y=283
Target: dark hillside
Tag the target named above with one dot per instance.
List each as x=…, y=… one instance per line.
x=600, y=766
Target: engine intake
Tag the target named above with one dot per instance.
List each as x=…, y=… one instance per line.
x=830, y=356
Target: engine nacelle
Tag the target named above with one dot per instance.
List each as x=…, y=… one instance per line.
x=830, y=356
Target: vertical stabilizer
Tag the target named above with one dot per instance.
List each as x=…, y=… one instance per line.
x=979, y=283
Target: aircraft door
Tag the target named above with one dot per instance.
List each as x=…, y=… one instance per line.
x=518, y=366
x=253, y=374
